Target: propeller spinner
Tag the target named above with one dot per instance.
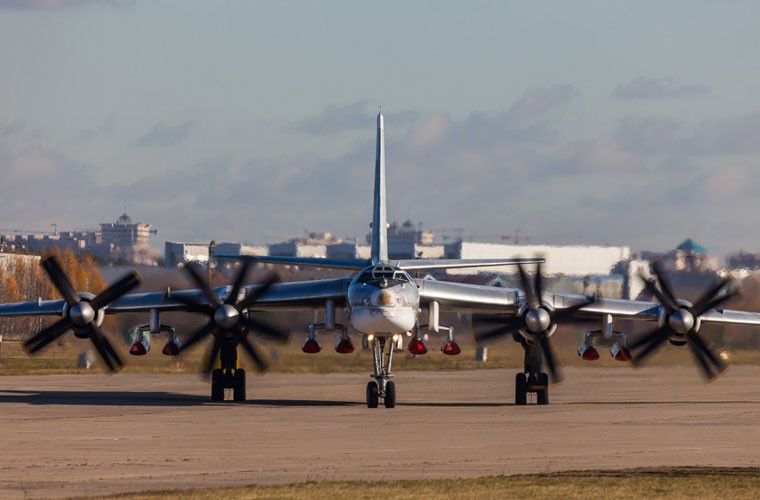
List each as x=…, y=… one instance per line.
x=229, y=320
x=682, y=320
x=537, y=320
x=81, y=314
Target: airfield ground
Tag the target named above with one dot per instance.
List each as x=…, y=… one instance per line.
x=74, y=435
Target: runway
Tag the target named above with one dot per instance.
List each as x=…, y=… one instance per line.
x=74, y=435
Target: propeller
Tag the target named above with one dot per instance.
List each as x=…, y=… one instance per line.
x=229, y=320
x=537, y=320
x=682, y=319
x=81, y=315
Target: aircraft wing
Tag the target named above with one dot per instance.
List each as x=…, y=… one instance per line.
x=303, y=295
x=293, y=296
x=458, y=297
x=33, y=308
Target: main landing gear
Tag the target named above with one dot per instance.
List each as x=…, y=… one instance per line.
x=228, y=376
x=382, y=387
x=532, y=379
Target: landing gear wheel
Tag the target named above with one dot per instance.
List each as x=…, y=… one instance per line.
x=390, y=395
x=521, y=389
x=372, y=395
x=217, y=385
x=542, y=395
x=238, y=387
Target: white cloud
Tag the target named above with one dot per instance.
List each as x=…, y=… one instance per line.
x=647, y=87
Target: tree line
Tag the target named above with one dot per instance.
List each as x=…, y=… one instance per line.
x=22, y=279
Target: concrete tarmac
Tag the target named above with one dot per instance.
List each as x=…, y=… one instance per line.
x=65, y=436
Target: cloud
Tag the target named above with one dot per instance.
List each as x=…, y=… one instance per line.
x=43, y=185
x=12, y=129
x=647, y=87
x=737, y=135
x=349, y=118
x=58, y=4
x=105, y=129
x=650, y=134
x=167, y=135
x=602, y=154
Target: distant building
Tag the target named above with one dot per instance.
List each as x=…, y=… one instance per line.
x=576, y=260
x=120, y=240
x=128, y=240
x=177, y=253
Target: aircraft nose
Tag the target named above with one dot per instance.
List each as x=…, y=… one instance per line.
x=385, y=298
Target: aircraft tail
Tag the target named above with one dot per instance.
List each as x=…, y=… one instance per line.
x=379, y=245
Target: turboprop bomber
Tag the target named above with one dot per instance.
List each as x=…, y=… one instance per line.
x=386, y=306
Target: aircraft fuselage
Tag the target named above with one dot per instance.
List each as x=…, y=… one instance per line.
x=383, y=300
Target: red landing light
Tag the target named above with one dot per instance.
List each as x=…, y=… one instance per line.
x=417, y=347
x=311, y=346
x=590, y=354
x=137, y=349
x=344, y=346
x=451, y=348
x=623, y=354
x=170, y=349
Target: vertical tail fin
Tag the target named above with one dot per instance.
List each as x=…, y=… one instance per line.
x=379, y=215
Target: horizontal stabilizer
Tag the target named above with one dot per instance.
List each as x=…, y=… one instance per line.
x=431, y=264
x=303, y=261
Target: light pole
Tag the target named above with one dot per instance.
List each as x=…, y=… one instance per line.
x=208, y=266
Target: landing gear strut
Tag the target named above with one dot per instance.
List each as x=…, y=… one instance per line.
x=532, y=379
x=382, y=387
x=228, y=376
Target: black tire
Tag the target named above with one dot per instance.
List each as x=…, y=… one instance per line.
x=238, y=388
x=521, y=389
x=217, y=385
x=390, y=395
x=542, y=396
x=372, y=395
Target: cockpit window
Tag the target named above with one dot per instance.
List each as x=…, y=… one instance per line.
x=387, y=275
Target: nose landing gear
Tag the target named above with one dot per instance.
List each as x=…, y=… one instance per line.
x=382, y=387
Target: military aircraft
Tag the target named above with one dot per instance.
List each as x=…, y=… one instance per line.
x=384, y=303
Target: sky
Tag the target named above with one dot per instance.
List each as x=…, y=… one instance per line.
x=585, y=122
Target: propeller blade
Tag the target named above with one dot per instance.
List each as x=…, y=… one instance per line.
x=200, y=281
x=273, y=332
x=121, y=287
x=655, y=339
x=261, y=363
x=48, y=335
x=664, y=282
x=506, y=327
x=699, y=355
x=60, y=281
x=104, y=348
x=538, y=281
x=238, y=282
x=527, y=285
x=213, y=354
x=254, y=296
x=480, y=320
x=566, y=315
x=713, y=298
x=194, y=306
x=199, y=335
x=662, y=298
x=549, y=357
x=699, y=342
